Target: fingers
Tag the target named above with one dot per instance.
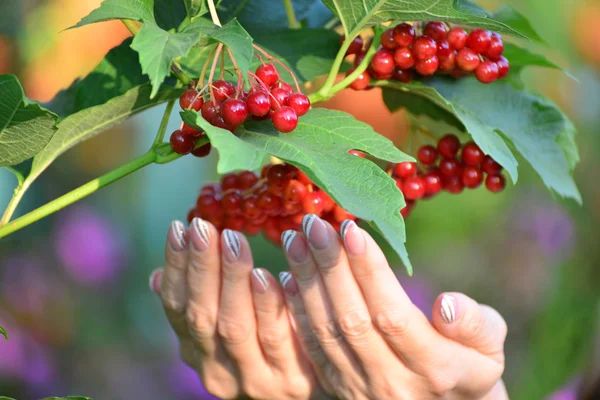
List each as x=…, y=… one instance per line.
x=462, y=319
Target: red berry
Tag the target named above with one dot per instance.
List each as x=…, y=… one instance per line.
x=211, y=188
x=283, y=85
x=358, y=59
x=302, y=177
x=405, y=170
x=340, y=215
x=250, y=208
x=472, y=177
x=190, y=99
x=285, y=119
x=233, y=223
x=503, y=67
x=403, y=57
x=495, y=183
x=450, y=168
x=487, y=72
x=191, y=131
x=427, y=67
x=424, y=48
x=360, y=83
x=447, y=64
x=278, y=176
x=448, y=146
x=404, y=35
x=222, y=90
x=269, y=202
x=443, y=48
x=403, y=75
x=435, y=30
x=433, y=183
x=234, y=111
x=328, y=202
x=427, y=155
x=232, y=200
x=357, y=153
x=230, y=181
x=202, y=151
x=313, y=203
x=406, y=211
x=219, y=122
x=467, y=60
x=300, y=103
x=267, y=73
x=457, y=37
x=479, y=40
x=209, y=111
x=387, y=39
x=208, y=204
x=380, y=76
x=355, y=47
x=453, y=185
x=259, y=103
x=413, y=188
x=399, y=183
x=496, y=48
x=472, y=154
x=294, y=192
x=383, y=62
x=490, y=166
x=193, y=213
x=181, y=142
x=247, y=179
x=279, y=98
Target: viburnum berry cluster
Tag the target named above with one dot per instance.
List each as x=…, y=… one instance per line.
x=227, y=105
x=272, y=202
x=443, y=169
x=440, y=49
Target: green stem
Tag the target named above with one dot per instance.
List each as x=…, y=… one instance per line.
x=160, y=135
x=14, y=202
x=291, y=14
x=335, y=68
x=132, y=26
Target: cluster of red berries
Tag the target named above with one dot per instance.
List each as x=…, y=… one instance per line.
x=454, y=51
x=269, y=98
x=271, y=203
x=443, y=169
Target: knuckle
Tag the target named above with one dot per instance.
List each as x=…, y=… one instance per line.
x=328, y=261
x=441, y=384
x=218, y=388
x=355, y=324
x=271, y=340
x=327, y=333
x=201, y=322
x=392, y=323
x=232, y=332
x=297, y=387
x=310, y=342
x=173, y=304
x=306, y=277
x=253, y=390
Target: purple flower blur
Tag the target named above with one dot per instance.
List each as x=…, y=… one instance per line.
x=420, y=293
x=88, y=246
x=24, y=283
x=567, y=392
x=185, y=383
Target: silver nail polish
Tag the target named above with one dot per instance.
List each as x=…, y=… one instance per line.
x=233, y=242
x=202, y=229
x=347, y=224
x=284, y=278
x=179, y=233
x=447, y=309
x=307, y=223
x=262, y=277
x=287, y=237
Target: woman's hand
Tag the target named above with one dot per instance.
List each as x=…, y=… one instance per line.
x=365, y=338
x=231, y=319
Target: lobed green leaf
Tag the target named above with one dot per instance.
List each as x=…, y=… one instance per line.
x=139, y=10
x=520, y=57
x=510, y=16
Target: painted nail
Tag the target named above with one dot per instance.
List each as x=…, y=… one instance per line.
x=354, y=239
x=260, y=281
x=177, y=239
x=288, y=283
x=447, y=309
x=201, y=237
x=315, y=231
x=155, y=280
x=232, y=241
x=295, y=247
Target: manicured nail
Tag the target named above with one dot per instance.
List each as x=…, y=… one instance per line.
x=288, y=283
x=260, y=281
x=448, y=310
x=177, y=239
x=156, y=280
x=354, y=240
x=315, y=231
x=294, y=246
x=232, y=241
x=201, y=237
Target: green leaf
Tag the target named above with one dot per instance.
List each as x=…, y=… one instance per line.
x=91, y=121
x=499, y=115
x=358, y=15
x=169, y=14
x=509, y=16
x=195, y=7
x=520, y=57
x=3, y=333
x=319, y=147
x=139, y=10
x=157, y=49
x=25, y=126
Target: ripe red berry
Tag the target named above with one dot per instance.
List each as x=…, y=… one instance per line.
x=490, y=166
x=407, y=210
x=202, y=151
x=233, y=223
x=283, y=85
x=279, y=98
x=383, y=62
x=403, y=75
x=496, y=48
x=479, y=40
x=427, y=67
x=355, y=47
x=300, y=103
x=222, y=90
x=250, y=209
x=219, y=122
x=443, y=48
x=472, y=154
x=450, y=168
x=487, y=72
x=433, y=183
x=247, y=179
x=453, y=185
x=448, y=64
x=268, y=74
x=208, y=204
x=399, y=183
x=503, y=67
x=269, y=202
x=424, y=48
x=472, y=177
x=448, y=146
x=403, y=57
x=405, y=170
x=230, y=181
x=436, y=30
x=231, y=202
x=191, y=131
x=294, y=192
x=379, y=76
x=285, y=119
x=495, y=183
x=278, y=176
x=404, y=34
x=357, y=153
x=387, y=39
x=190, y=99
x=413, y=188
x=457, y=37
x=340, y=215
x=360, y=83
x=358, y=59
x=313, y=203
x=234, y=111
x=467, y=60
x=427, y=155
x=259, y=103
x=181, y=142
x=209, y=111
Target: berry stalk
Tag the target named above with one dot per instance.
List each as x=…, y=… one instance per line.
x=160, y=135
x=291, y=15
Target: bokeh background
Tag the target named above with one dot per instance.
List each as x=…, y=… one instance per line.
x=74, y=287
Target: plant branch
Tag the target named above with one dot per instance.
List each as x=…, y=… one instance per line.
x=291, y=15
x=213, y=13
x=335, y=68
x=132, y=26
x=14, y=202
x=160, y=135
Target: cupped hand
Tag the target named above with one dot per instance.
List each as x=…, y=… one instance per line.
x=365, y=338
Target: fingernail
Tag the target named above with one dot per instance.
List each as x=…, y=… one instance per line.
x=260, y=281
x=288, y=283
x=354, y=240
x=177, y=239
x=315, y=231
x=201, y=237
x=232, y=241
x=448, y=309
x=294, y=246
x=155, y=280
